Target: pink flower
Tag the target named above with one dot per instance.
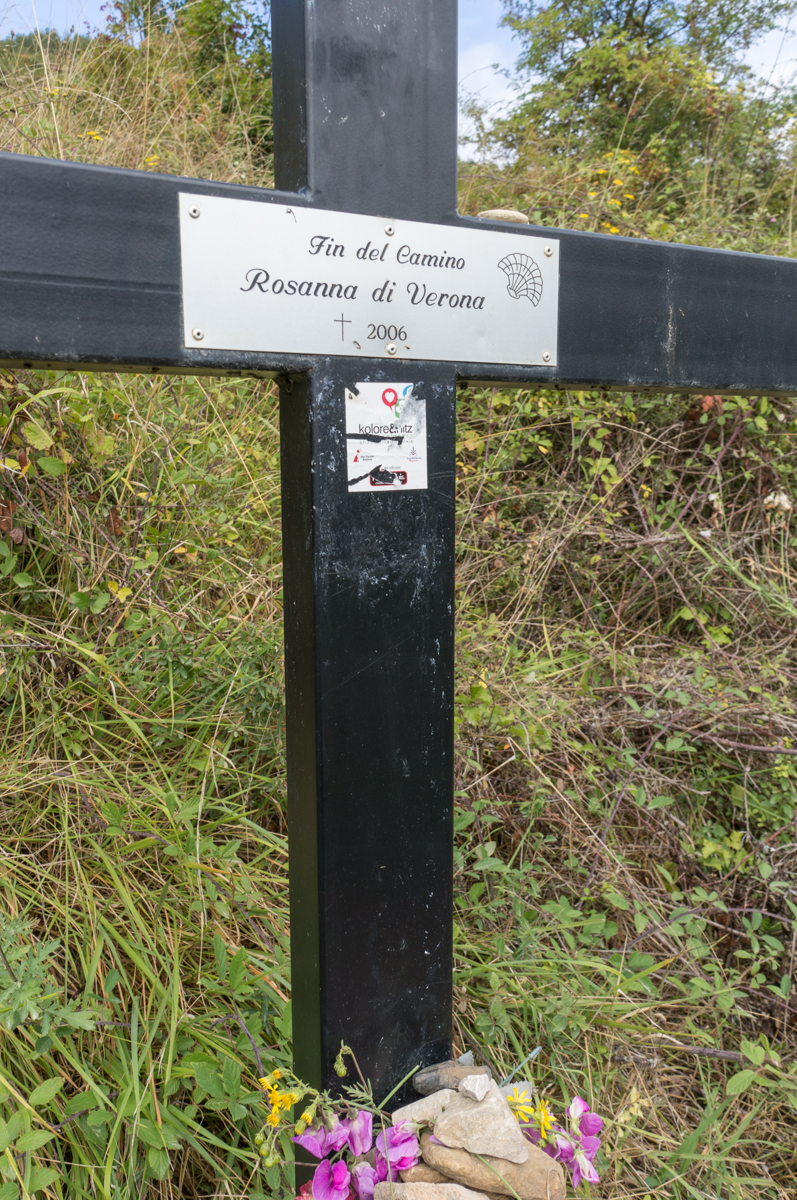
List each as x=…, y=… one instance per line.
x=321, y=1141
x=562, y=1147
x=582, y=1164
x=338, y=1135
x=331, y=1182
x=399, y=1147
x=315, y=1140
x=590, y=1146
x=575, y=1150
x=583, y=1122
x=584, y=1125
x=360, y=1133
x=364, y=1180
x=590, y=1125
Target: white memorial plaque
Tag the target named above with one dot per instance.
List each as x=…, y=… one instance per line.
x=267, y=277
x=385, y=438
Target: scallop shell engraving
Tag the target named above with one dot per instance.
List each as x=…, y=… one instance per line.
x=523, y=277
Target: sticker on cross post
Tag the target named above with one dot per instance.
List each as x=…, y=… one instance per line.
x=385, y=438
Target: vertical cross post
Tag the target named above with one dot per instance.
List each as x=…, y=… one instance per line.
x=368, y=126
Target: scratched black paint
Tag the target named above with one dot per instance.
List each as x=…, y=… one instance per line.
x=369, y=620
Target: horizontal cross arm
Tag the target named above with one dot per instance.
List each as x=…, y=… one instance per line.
x=91, y=279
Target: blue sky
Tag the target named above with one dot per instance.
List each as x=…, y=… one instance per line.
x=482, y=42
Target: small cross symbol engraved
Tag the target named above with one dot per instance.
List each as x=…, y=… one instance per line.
x=341, y=321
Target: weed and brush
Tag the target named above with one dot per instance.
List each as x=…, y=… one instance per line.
x=626, y=872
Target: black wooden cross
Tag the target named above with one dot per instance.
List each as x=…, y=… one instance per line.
x=94, y=277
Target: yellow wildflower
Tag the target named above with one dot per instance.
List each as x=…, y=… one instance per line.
x=268, y=1081
x=278, y=1099
x=273, y=1117
x=543, y=1118
x=521, y=1105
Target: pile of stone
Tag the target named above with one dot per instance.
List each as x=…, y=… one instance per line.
x=471, y=1143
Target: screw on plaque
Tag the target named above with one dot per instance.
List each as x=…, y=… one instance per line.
x=391, y=348
x=197, y=334
x=390, y=230
x=193, y=210
x=546, y=357
x=548, y=251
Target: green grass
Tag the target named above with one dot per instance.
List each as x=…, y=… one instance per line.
x=142, y=776
x=625, y=861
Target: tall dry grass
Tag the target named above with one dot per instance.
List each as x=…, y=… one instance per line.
x=159, y=106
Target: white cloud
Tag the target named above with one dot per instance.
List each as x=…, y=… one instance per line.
x=479, y=78
x=478, y=74
x=774, y=58
x=483, y=44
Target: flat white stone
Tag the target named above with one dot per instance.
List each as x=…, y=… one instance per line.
x=427, y=1110
x=475, y=1087
x=423, y=1173
x=485, y=1126
x=425, y=1191
x=504, y=214
x=539, y=1178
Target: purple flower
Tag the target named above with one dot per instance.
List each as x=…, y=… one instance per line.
x=360, y=1132
x=338, y=1135
x=562, y=1147
x=321, y=1141
x=399, y=1147
x=591, y=1125
x=582, y=1164
x=315, y=1140
x=364, y=1179
x=583, y=1122
x=590, y=1146
x=575, y=1151
x=331, y=1182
